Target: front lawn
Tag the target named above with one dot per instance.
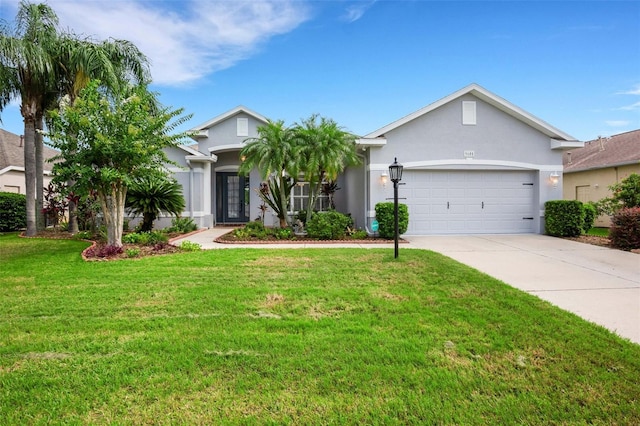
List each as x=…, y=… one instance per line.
x=333, y=336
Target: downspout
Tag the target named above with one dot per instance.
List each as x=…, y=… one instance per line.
x=190, y=189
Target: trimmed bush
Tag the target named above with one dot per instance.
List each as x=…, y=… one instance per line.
x=590, y=214
x=146, y=238
x=182, y=225
x=564, y=218
x=625, y=229
x=329, y=225
x=13, y=211
x=385, y=218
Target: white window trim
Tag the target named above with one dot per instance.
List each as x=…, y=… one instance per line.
x=322, y=198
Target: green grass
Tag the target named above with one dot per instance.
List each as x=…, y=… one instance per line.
x=339, y=336
x=599, y=232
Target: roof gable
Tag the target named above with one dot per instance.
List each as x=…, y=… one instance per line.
x=222, y=117
x=488, y=97
x=617, y=150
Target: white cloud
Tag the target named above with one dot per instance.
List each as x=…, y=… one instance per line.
x=634, y=91
x=617, y=123
x=631, y=107
x=356, y=11
x=184, y=40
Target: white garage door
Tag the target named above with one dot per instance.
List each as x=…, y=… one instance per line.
x=468, y=202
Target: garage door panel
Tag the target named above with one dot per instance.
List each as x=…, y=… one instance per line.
x=447, y=202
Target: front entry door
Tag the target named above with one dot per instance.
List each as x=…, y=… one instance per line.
x=232, y=198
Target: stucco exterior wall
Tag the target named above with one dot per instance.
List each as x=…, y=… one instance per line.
x=439, y=140
x=13, y=181
x=440, y=135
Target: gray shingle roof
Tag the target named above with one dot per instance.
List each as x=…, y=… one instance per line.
x=617, y=150
x=12, y=151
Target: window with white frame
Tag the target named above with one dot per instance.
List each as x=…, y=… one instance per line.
x=300, y=198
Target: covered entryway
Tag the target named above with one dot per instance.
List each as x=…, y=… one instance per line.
x=469, y=202
x=232, y=198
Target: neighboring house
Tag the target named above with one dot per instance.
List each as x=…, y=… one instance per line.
x=473, y=163
x=12, y=163
x=589, y=171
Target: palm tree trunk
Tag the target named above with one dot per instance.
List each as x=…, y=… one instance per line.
x=39, y=171
x=30, y=173
x=284, y=208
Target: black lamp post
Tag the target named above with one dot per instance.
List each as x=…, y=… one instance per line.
x=395, y=175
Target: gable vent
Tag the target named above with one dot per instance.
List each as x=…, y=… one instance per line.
x=468, y=113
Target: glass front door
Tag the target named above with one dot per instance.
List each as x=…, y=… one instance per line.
x=232, y=198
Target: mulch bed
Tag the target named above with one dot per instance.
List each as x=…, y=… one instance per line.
x=97, y=247
x=229, y=238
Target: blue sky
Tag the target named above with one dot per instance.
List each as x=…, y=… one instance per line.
x=574, y=64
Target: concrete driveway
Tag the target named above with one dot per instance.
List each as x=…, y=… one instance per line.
x=599, y=284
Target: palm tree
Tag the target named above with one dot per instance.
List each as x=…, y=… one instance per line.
x=40, y=65
x=325, y=149
x=26, y=60
x=152, y=194
x=273, y=153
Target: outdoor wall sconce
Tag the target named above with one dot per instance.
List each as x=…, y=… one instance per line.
x=395, y=171
x=553, y=178
x=384, y=178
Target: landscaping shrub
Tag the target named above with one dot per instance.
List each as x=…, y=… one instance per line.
x=385, y=218
x=13, y=211
x=564, y=218
x=190, y=246
x=328, y=225
x=133, y=252
x=146, y=238
x=625, y=229
x=282, y=233
x=627, y=191
x=182, y=225
x=359, y=234
x=590, y=214
x=625, y=194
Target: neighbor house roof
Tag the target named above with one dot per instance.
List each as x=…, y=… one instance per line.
x=12, y=153
x=617, y=150
x=490, y=98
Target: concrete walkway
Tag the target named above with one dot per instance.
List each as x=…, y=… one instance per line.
x=599, y=284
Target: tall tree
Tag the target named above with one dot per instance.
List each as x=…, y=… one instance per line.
x=116, y=63
x=116, y=139
x=273, y=154
x=324, y=150
x=26, y=62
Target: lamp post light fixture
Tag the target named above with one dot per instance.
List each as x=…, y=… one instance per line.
x=395, y=174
